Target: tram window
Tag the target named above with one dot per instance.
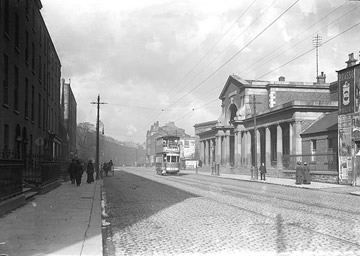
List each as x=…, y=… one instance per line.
x=173, y=159
x=168, y=159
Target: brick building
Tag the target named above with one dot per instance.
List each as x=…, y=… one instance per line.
x=30, y=81
x=68, y=120
x=262, y=122
x=156, y=131
x=319, y=148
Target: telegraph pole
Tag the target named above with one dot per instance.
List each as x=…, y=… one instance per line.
x=256, y=175
x=97, y=136
x=317, y=43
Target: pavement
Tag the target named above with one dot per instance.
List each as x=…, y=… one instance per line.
x=67, y=220
x=64, y=221
x=285, y=182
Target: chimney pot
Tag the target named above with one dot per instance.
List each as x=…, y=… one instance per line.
x=321, y=79
x=352, y=61
x=281, y=78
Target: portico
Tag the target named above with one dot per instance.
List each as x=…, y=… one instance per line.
x=283, y=112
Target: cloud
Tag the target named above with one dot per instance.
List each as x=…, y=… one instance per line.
x=142, y=56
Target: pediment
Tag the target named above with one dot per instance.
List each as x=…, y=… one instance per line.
x=233, y=80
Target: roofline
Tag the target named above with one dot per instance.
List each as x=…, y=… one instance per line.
x=205, y=123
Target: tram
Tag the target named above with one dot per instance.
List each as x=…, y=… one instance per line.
x=167, y=155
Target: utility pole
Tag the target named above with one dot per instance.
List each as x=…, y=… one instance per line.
x=317, y=43
x=97, y=136
x=256, y=175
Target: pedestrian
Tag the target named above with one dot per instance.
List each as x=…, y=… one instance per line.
x=299, y=173
x=72, y=170
x=306, y=173
x=262, y=171
x=90, y=172
x=78, y=173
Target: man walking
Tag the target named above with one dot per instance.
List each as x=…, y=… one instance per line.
x=72, y=171
x=78, y=173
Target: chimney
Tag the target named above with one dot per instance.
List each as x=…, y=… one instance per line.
x=321, y=79
x=352, y=61
x=281, y=79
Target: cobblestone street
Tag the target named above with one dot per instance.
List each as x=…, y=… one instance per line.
x=194, y=214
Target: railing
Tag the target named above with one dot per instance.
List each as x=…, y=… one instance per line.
x=317, y=162
x=10, y=177
x=40, y=171
x=34, y=170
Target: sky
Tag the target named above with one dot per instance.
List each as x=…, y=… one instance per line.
x=168, y=60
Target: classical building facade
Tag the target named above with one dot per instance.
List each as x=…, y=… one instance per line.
x=262, y=122
x=30, y=81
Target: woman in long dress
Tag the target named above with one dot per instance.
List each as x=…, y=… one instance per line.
x=90, y=172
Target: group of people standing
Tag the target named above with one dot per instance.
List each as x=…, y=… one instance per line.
x=76, y=171
x=302, y=173
x=262, y=170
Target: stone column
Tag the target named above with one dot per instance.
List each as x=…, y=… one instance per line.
x=242, y=150
x=247, y=148
x=219, y=147
x=279, y=146
x=227, y=147
x=258, y=147
x=206, y=155
x=268, y=146
x=296, y=140
x=202, y=151
x=211, y=152
x=236, y=150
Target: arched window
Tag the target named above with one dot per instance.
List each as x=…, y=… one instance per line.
x=233, y=110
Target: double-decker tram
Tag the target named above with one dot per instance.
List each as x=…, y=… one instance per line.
x=167, y=155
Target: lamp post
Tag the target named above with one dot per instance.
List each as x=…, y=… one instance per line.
x=255, y=177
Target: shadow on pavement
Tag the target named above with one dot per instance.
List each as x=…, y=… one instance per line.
x=131, y=198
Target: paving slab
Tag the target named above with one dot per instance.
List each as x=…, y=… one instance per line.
x=64, y=221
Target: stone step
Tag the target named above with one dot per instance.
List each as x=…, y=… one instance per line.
x=29, y=193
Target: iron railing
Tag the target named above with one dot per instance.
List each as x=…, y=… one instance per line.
x=10, y=178
x=317, y=162
x=31, y=169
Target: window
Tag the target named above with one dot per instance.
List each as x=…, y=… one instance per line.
x=6, y=137
x=39, y=110
x=40, y=36
x=27, y=47
x=6, y=80
x=313, y=149
x=186, y=144
x=26, y=109
x=39, y=68
x=44, y=78
x=32, y=103
x=313, y=145
x=16, y=88
x=6, y=17
x=27, y=7
x=33, y=19
x=17, y=30
x=33, y=57
x=330, y=143
x=44, y=114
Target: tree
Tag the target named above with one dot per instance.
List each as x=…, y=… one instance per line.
x=86, y=140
